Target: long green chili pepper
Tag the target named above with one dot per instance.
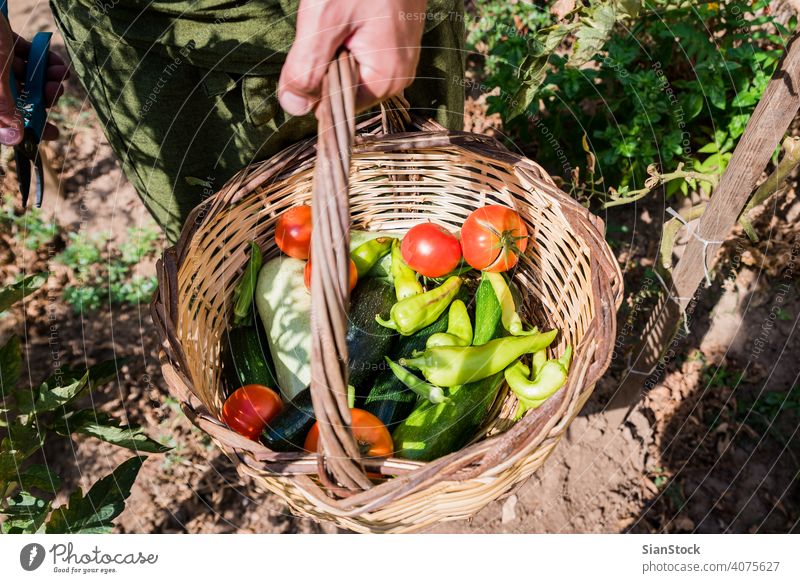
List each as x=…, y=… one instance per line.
x=428, y=391
x=366, y=255
x=459, y=328
x=448, y=366
x=406, y=284
x=511, y=319
x=416, y=312
x=243, y=294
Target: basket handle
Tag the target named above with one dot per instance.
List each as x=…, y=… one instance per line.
x=340, y=468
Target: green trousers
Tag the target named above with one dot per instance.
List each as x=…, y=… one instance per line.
x=186, y=90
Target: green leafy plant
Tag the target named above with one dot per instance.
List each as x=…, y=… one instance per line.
x=105, y=275
x=31, y=415
x=29, y=228
x=614, y=88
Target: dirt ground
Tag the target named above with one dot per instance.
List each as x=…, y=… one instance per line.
x=712, y=448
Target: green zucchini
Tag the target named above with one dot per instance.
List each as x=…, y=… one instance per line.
x=367, y=341
x=287, y=431
x=434, y=430
x=246, y=359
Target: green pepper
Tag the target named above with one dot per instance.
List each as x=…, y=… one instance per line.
x=534, y=389
x=448, y=366
x=416, y=312
x=366, y=255
x=428, y=391
x=531, y=393
x=406, y=284
x=511, y=319
x=566, y=358
x=537, y=362
x=243, y=294
x=459, y=328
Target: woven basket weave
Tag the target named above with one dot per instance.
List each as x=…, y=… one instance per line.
x=397, y=172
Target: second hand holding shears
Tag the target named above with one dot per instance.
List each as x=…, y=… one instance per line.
x=30, y=102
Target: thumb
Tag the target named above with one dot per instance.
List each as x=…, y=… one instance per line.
x=10, y=119
x=315, y=44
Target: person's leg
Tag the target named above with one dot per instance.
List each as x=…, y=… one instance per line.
x=180, y=131
x=188, y=98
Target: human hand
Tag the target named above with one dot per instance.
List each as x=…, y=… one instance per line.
x=382, y=35
x=14, y=54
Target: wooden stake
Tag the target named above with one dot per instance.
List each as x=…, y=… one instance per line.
x=765, y=130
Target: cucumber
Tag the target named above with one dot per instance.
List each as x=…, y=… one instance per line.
x=367, y=341
x=431, y=431
x=488, y=314
x=390, y=400
x=287, y=431
x=246, y=359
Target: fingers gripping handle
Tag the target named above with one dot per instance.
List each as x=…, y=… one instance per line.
x=340, y=468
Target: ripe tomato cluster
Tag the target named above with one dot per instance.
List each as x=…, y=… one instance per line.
x=492, y=239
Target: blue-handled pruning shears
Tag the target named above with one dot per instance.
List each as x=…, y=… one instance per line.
x=31, y=105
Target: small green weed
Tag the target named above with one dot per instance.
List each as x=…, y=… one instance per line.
x=29, y=228
x=106, y=275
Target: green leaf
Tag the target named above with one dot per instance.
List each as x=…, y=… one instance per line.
x=533, y=70
x=593, y=33
x=25, y=514
x=9, y=464
x=63, y=387
x=41, y=477
x=629, y=8
x=13, y=293
x=692, y=104
x=25, y=439
x=94, y=512
x=709, y=148
x=106, y=428
x=716, y=95
x=53, y=393
x=10, y=366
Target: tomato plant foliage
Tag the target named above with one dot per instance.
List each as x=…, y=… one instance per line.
x=628, y=83
x=32, y=414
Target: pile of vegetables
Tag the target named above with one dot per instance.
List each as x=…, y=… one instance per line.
x=434, y=332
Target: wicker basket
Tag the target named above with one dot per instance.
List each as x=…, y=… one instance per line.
x=569, y=278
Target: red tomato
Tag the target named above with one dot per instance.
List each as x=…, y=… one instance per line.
x=293, y=232
x=493, y=237
x=373, y=439
x=353, y=275
x=249, y=408
x=431, y=250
